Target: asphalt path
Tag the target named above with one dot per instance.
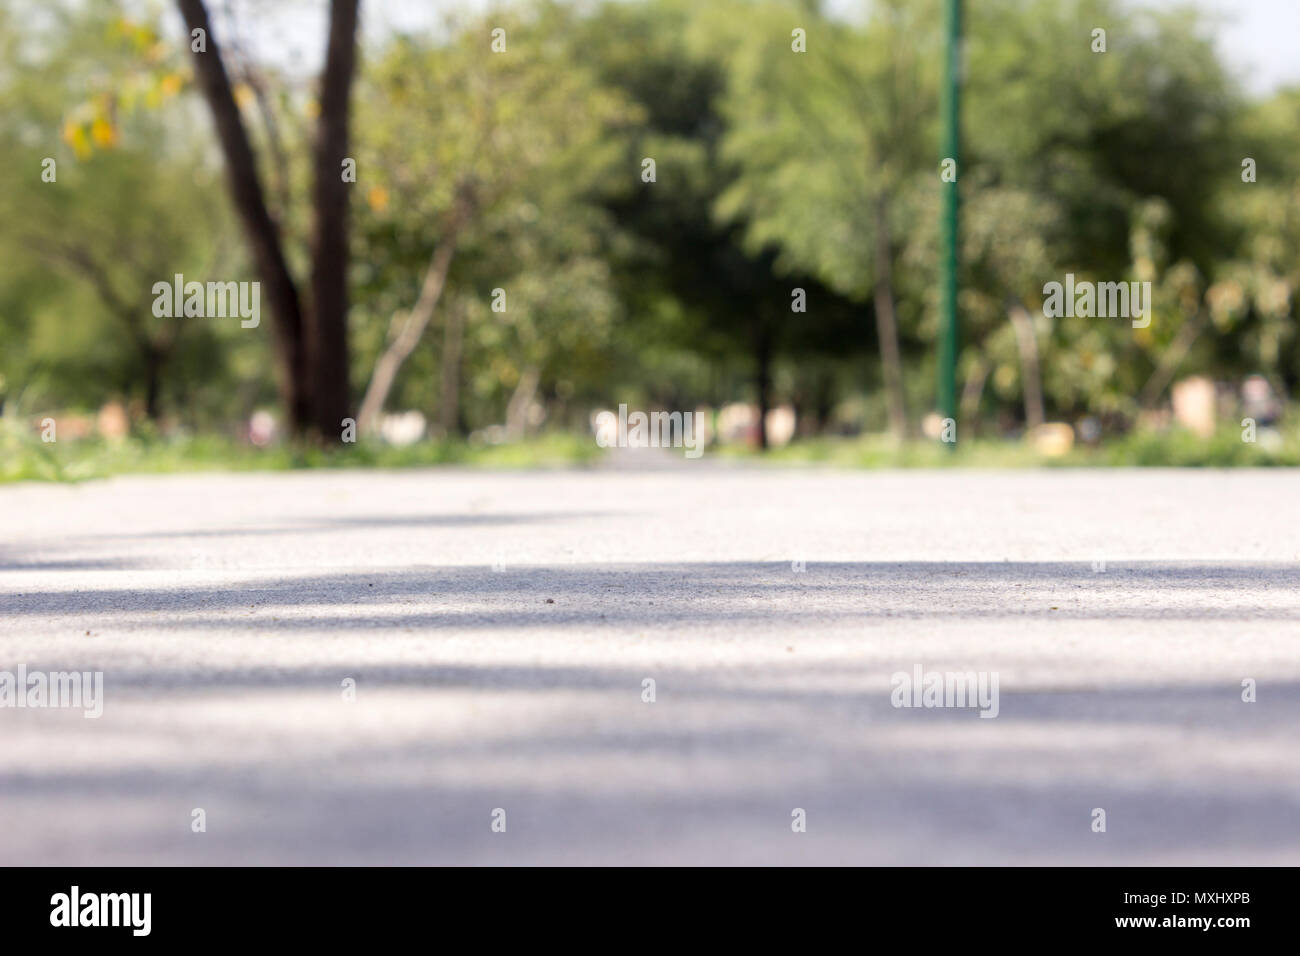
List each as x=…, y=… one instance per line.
x=497, y=630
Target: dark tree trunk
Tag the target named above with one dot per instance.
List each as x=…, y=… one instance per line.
x=153, y=366
x=891, y=362
x=449, y=403
x=825, y=403
x=763, y=378
x=259, y=229
x=327, y=321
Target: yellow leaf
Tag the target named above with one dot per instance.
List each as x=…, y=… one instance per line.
x=377, y=197
x=243, y=95
x=171, y=84
x=103, y=133
x=74, y=134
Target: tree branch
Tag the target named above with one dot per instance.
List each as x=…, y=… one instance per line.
x=404, y=342
x=250, y=204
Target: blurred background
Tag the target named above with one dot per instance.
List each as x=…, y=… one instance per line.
x=514, y=265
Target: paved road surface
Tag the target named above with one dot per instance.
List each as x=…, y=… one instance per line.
x=499, y=628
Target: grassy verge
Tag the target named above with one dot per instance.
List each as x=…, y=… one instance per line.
x=24, y=457
x=1172, y=448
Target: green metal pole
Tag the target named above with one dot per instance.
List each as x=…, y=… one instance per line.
x=948, y=227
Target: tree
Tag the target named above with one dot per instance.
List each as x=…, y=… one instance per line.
x=1105, y=165
x=118, y=211
x=482, y=167
x=709, y=311
x=312, y=334
x=830, y=143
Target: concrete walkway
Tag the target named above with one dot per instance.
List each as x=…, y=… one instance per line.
x=499, y=628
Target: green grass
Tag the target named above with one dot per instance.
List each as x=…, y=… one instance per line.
x=1173, y=448
x=24, y=457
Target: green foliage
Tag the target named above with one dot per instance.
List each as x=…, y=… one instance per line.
x=530, y=141
x=131, y=205
x=775, y=170
x=821, y=137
